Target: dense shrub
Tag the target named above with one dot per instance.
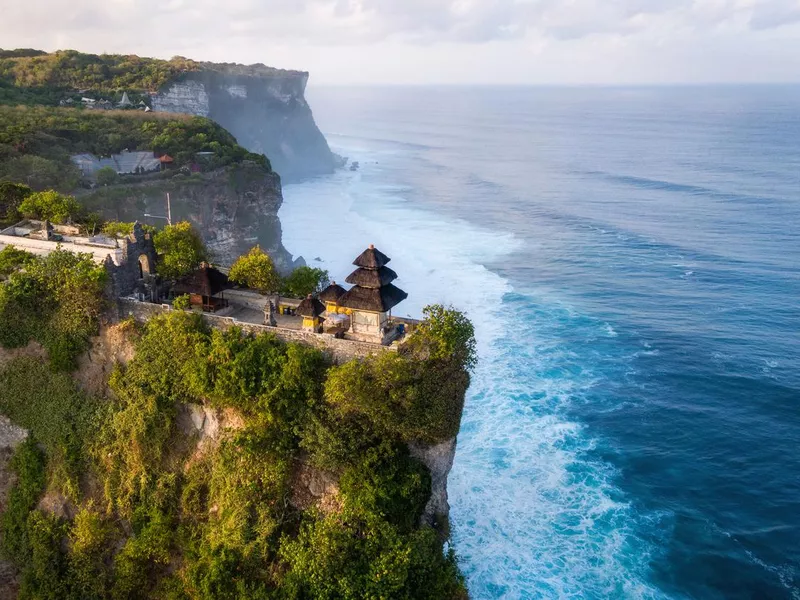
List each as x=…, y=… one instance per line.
x=386, y=481
x=445, y=334
x=36, y=142
x=69, y=69
x=11, y=196
x=222, y=524
x=90, y=549
x=56, y=413
x=44, y=577
x=181, y=250
x=256, y=271
x=412, y=399
x=304, y=281
x=182, y=302
x=51, y=206
x=13, y=259
x=106, y=176
x=57, y=300
x=133, y=442
x=28, y=464
x=121, y=229
x=143, y=556
x=359, y=555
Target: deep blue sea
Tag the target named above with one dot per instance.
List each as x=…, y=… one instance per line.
x=631, y=260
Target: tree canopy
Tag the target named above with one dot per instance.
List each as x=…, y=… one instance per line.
x=106, y=176
x=35, y=76
x=304, y=281
x=36, y=142
x=11, y=196
x=12, y=259
x=181, y=250
x=56, y=300
x=256, y=271
x=50, y=205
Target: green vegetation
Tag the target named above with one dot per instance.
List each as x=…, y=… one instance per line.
x=156, y=517
x=106, y=176
x=21, y=201
x=55, y=413
x=182, y=302
x=181, y=250
x=256, y=271
x=11, y=196
x=56, y=300
x=49, y=205
x=446, y=334
x=31, y=76
x=119, y=229
x=12, y=259
x=28, y=464
x=304, y=281
x=36, y=142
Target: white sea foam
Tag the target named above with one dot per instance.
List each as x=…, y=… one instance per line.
x=532, y=516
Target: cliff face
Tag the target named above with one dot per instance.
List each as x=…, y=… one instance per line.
x=439, y=460
x=265, y=109
x=233, y=208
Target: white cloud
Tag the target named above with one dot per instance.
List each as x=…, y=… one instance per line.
x=383, y=33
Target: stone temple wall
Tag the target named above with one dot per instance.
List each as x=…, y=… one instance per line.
x=339, y=351
x=137, y=263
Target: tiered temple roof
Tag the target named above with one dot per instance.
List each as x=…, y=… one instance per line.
x=373, y=289
x=205, y=281
x=310, y=307
x=332, y=293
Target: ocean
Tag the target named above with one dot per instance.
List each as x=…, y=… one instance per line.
x=630, y=258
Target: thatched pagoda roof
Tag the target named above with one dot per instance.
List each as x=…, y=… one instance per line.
x=332, y=293
x=310, y=307
x=373, y=299
x=205, y=281
x=372, y=278
x=371, y=258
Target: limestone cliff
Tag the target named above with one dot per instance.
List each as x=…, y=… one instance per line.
x=264, y=108
x=234, y=208
x=439, y=460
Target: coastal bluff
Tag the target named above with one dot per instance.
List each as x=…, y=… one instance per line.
x=438, y=458
x=264, y=108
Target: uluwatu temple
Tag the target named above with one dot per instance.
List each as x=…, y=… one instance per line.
x=362, y=313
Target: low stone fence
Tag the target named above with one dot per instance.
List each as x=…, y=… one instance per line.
x=339, y=351
x=44, y=247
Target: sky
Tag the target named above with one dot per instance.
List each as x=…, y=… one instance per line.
x=437, y=41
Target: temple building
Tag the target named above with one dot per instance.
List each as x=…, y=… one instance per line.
x=372, y=296
x=331, y=295
x=311, y=310
x=205, y=287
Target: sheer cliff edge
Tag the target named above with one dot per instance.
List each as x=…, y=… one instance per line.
x=264, y=108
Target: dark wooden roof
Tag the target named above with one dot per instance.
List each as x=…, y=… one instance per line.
x=332, y=293
x=371, y=258
x=310, y=307
x=206, y=281
x=372, y=278
x=373, y=299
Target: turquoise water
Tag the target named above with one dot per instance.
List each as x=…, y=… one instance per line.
x=631, y=260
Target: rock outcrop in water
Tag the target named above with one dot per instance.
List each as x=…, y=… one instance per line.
x=264, y=108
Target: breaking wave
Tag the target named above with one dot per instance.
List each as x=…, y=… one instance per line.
x=535, y=512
